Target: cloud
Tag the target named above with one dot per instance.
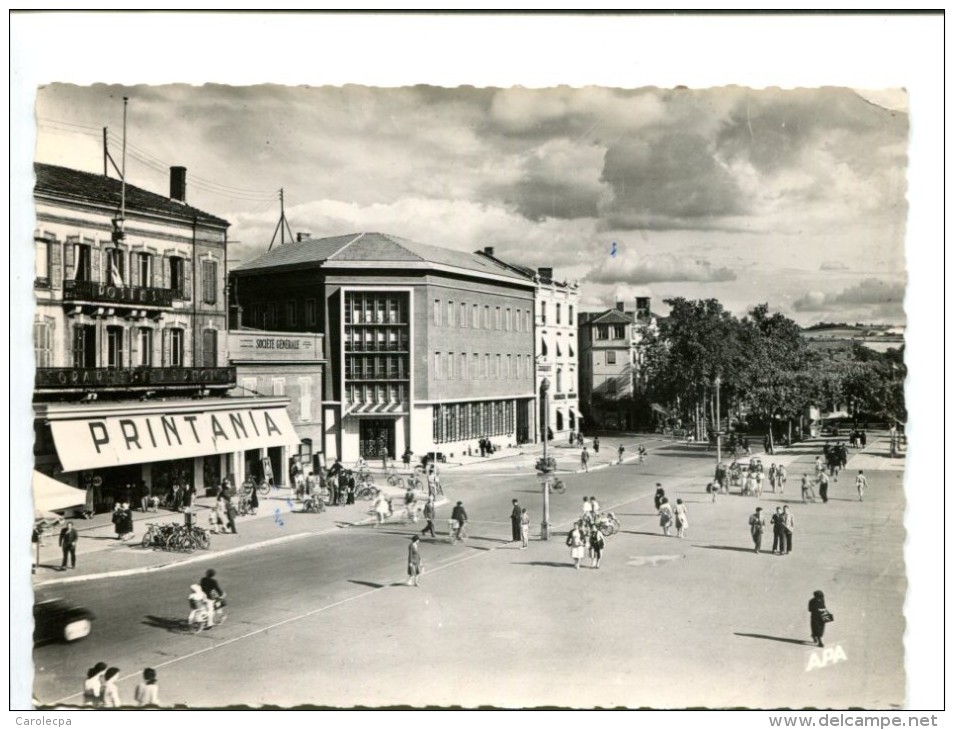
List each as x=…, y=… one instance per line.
x=630, y=268
x=872, y=294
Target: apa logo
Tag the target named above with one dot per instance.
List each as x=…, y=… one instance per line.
x=826, y=657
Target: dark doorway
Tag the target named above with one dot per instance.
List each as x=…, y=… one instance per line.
x=376, y=435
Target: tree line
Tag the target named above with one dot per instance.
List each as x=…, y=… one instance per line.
x=765, y=368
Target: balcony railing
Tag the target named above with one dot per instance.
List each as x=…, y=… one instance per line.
x=134, y=378
x=94, y=291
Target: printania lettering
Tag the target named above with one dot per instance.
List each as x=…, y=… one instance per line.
x=180, y=430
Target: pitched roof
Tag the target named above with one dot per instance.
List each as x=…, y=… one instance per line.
x=87, y=187
x=611, y=316
x=370, y=247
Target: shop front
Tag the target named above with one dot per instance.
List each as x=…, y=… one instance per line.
x=117, y=449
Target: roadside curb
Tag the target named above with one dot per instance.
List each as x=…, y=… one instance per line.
x=211, y=555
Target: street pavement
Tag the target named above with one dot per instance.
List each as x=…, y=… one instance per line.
x=323, y=618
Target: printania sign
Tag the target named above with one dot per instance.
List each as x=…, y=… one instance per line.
x=133, y=439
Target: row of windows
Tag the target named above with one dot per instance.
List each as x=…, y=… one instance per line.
x=461, y=314
x=460, y=366
x=545, y=349
x=610, y=332
x=124, y=346
x=375, y=308
x=461, y=421
x=559, y=313
x=277, y=386
x=376, y=339
x=272, y=315
x=377, y=367
x=118, y=267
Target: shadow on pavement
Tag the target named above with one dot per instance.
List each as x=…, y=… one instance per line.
x=174, y=625
x=369, y=583
x=650, y=534
x=546, y=564
x=726, y=547
x=783, y=639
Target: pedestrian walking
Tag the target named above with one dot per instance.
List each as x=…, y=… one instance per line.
x=230, y=514
x=147, y=691
x=585, y=459
x=349, y=488
x=524, y=529
x=782, y=477
x=587, y=511
x=575, y=541
x=712, y=488
x=93, y=686
x=756, y=527
x=110, y=690
x=413, y=561
x=68, y=539
x=778, y=521
x=381, y=509
x=459, y=516
x=819, y=615
x=621, y=450
x=596, y=443
x=681, y=517
x=659, y=496
x=594, y=509
x=665, y=515
x=759, y=476
x=429, y=513
x=823, y=487
x=808, y=494
x=788, y=529
x=597, y=544
x=772, y=474
x=861, y=484
x=515, y=514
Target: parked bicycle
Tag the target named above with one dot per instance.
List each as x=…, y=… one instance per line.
x=263, y=487
x=555, y=484
x=366, y=491
x=175, y=536
x=394, y=479
x=608, y=523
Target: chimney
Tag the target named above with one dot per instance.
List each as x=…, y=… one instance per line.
x=545, y=273
x=642, y=308
x=177, y=183
x=488, y=250
x=302, y=236
x=620, y=307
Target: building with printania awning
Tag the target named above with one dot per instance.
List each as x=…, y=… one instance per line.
x=132, y=376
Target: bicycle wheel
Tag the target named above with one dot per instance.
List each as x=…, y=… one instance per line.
x=558, y=486
x=203, y=541
x=264, y=488
x=393, y=480
x=147, y=540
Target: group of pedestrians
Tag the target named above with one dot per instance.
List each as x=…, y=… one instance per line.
x=783, y=529
x=100, y=688
x=583, y=539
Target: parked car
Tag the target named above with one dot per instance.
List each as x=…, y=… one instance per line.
x=57, y=619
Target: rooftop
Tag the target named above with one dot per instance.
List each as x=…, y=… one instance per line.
x=380, y=248
x=87, y=187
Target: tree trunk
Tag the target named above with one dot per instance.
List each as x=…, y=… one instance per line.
x=789, y=431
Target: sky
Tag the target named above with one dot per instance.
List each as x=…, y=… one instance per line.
x=792, y=197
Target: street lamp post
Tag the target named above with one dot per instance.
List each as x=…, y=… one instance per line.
x=545, y=525
x=718, y=425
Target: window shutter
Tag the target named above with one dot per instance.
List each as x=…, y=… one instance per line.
x=165, y=273
x=56, y=264
x=96, y=264
x=186, y=279
x=187, y=360
x=133, y=279
x=69, y=250
x=133, y=346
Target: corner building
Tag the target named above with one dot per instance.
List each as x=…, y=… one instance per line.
x=130, y=343
x=427, y=348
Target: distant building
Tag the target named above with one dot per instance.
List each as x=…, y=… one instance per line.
x=428, y=348
x=556, y=306
x=131, y=371
x=610, y=365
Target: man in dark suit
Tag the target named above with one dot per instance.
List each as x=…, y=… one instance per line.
x=515, y=516
x=68, y=539
x=777, y=529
